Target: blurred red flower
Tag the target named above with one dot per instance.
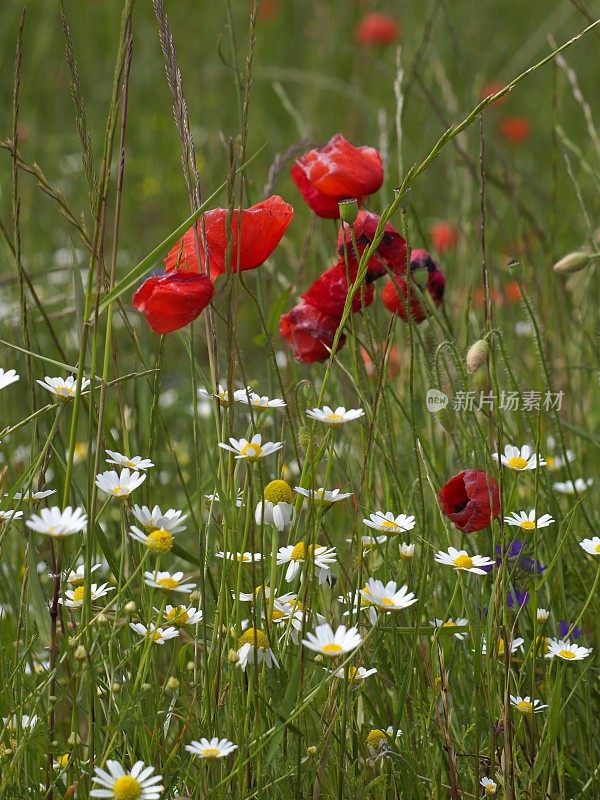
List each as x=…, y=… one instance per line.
x=515, y=129
x=479, y=296
x=512, y=290
x=377, y=28
x=170, y=302
x=444, y=235
x=268, y=10
x=310, y=332
x=395, y=293
x=492, y=88
x=337, y=171
x=392, y=248
x=328, y=293
x=471, y=500
x=263, y=225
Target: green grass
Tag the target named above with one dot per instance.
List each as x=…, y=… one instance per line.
x=99, y=689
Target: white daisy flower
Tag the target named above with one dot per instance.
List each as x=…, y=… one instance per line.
x=337, y=417
x=157, y=541
x=295, y=554
x=215, y=748
x=388, y=523
x=514, y=646
x=120, y=486
x=63, y=389
x=168, y=582
x=214, y=498
x=332, y=644
x=277, y=507
x=407, y=551
x=542, y=614
x=360, y=602
x=58, y=524
x=323, y=495
x=526, y=520
x=355, y=674
x=519, y=459
x=388, y=597
x=74, y=597
x=254, y=648
x=369, y=542
x=591, y=546
x=378, y=741
x=137, y=462
x=245, y=558
x=525, y=705
x=257, y=401
x=182, y=615
x=7, y=377
x=77, y=576
x=155, y=519
x=10, y=516
x=158, y=635
x=459, y=622
x=32, y=497
x=570, y=487
x=24, y=722
x=222, y=395
x=251, y=450
x=489, y=786
x=460, y=559
x=117, y=784
x=562, y=648
x=556, y=462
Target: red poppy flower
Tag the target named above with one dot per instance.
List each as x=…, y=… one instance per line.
x=493, y=88
x=310, y=332
x=392, y=248
x=471, y=500
x=377, y=28
x=444, y=236
x=515, y=129
x=263, y=225
x=170, y=302
x=328, y=293
x=337, y=171
x=395, y=292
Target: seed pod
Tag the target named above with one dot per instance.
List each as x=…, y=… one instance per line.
x=572, y=262
x=348, y=211
x=477, y=355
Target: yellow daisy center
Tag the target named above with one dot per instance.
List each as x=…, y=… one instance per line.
x=386, y=601
x=550, y=461
x=597, y=548
x=243, y=557
x=278, y=492
x=463, y=561
x=334, y=417
x=353, y=673
x=449, y=624
x=211, y=752
x=63, y=760
x=159, y=541
x=78, y=594
x=80, y=450
x=299, y=552
x=525, y=706
x=566, y=654
x=120, y=491
x=127, y=788
x=528, y=525
x=376, y=738
x=490, y=788
x=277, y=614
x=332, y=648
x=255, y=637
x=178, y=615
x=517, y=462
x=388, y=523
x=156, y=635
x=251, y=451
x=167, y=583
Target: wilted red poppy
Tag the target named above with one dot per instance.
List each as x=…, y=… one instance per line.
x=263, y=225
x=328, y=293
x=170, y=302
x=392, y=248
x=310, y=332
x=337, y=171
x=471, y=500
x=515, y=129
x=493, y=88
x=444, y=236
x=377, y=28
x=396, y=292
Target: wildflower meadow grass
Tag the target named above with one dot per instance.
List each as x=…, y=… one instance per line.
x=299, y=406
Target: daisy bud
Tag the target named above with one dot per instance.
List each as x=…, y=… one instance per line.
x=195, y=596
x=312, y=750
x=232, y=657
x=80, y=653
x=190, y=666
x=542, y=614
x=115, y=688
x=102, y=618
x=146, y=686
x=407, y=551
x=572, y=262
x=348, y=211
x=74, y=739
x=318, y=658
x=173, y=683
x=130, y=607
x=477, y=355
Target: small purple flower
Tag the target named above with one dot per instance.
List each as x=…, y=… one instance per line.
x=517, y=599
x=531, y=565
x=563, y=628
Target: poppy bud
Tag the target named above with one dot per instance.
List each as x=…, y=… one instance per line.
x=477, y=355
x=348, y=210
x=572, y=262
